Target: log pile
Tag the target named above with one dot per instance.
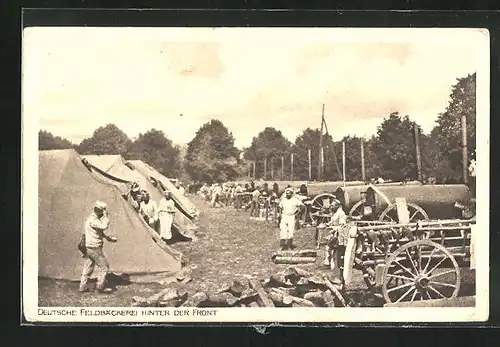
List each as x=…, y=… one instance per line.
x=293, y=287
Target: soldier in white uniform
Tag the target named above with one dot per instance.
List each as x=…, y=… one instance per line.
x=166, y=212
x=290, y=208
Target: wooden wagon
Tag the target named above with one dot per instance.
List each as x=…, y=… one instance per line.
x=411, y=261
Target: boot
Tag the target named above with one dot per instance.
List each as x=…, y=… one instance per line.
x=283, y=244
x=290, y=244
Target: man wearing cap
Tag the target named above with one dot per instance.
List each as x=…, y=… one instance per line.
x=148, y=210
x=95, y=225
x=166, y=211
x=290, y=208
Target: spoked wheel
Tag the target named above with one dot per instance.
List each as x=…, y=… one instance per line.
x=420, y=270
x=318, y=204
x=390, y=214
x=360, y=210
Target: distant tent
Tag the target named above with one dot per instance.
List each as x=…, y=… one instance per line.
x=115, y=168
x=67, y=190
x=181, y=202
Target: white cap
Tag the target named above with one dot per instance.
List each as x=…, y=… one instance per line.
x=101, y=205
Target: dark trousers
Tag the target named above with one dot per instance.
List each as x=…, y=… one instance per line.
x=254, y=209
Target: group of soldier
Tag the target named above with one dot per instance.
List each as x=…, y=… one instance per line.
x=289, y=209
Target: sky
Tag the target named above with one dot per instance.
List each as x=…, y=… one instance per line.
x=176, y=79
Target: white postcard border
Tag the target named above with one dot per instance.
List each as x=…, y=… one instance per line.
x=29, y=199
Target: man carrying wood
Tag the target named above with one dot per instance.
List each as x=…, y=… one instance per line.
x=290, y=208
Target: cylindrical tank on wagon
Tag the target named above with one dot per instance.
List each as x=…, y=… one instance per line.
x=316, y=188
x=350, y=195
x=437, y=200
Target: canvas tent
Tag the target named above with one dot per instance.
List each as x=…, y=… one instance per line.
x=67, y=190
x=181, y=202
x=113, y=166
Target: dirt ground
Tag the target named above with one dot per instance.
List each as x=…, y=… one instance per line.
x=229, y=246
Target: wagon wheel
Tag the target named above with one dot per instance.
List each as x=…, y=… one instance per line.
x=390, y=214
x=420, y=270
x=357, y=210
x=317, y=205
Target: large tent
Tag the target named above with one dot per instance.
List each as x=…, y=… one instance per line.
x=67, y=190
x=181, y=202
x=113, y=166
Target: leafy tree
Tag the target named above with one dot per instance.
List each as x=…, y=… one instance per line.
x=353, y=158
x=448, y=133
x=154, y=148
x=47, y=140
x=106, y=140
x=211, y=154
x=270, y=145
x=309, y=139
x=394, y=148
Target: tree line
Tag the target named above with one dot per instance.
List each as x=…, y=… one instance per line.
x=212, y=155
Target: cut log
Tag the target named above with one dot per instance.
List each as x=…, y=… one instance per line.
x=299, y=253
x=316, y=298
x=196, y=300
x=166, y=295
x=335, y=291
x=248, y=296
x=296, y=271
x=316, y=280
x=236, y=288
x=328, y=298
x=254, y=284
x=297, y=300
x=175, y=301
x=253, y=304
x=293, y=260
x=221, y=300
x=277, y=280
x=280, y=299
x=302, y=282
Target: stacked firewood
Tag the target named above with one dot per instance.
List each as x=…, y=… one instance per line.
x=293, y=287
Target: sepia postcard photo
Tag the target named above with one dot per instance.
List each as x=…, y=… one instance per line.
x=255, y=174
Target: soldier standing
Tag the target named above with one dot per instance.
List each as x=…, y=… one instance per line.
x=95, y=225
x=290, y=208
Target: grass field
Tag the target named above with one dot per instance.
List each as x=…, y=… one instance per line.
x=229, y=246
